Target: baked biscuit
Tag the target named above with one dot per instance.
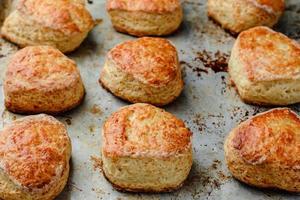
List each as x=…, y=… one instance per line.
x=240, y=15
x=145, y=70
x=62, y=24
x=265, y=67
x=145, y=149
x=264, y=151
x=34, y=158
x=40, y=79
x=145, y=17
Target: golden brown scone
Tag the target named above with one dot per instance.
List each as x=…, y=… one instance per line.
x=145, y=149
x=61, y=23
x=265, y=67
x=145, y=17
x=145, y=70
x=240, y=15
x=264, y=151
x=40, y=79
x=34, y=158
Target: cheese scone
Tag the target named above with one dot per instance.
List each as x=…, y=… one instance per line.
x=40, y=79
x=145, y=70
x=63, y=24
x=145, y=149
x=264, y=151
x=240, y=15
x=34, y=158
x=265, y=67
x=145, y=17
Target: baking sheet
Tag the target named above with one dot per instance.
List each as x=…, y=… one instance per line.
x=209, y=107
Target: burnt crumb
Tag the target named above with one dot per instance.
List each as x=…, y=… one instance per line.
x=90, y=1
x=97, y=163
x=193, y=3
x=218, y=61
x=197, y=70
x=199, y=121
x=71, y=186
x=98, y=21
x=68, y=121
x=96, y=110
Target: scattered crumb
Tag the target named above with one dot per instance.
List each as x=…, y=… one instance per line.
x=97, y=163
x=96, y=110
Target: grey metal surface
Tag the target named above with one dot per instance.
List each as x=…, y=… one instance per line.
x=208, y=105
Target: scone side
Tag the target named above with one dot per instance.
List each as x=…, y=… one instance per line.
x=154, y=166
x=139, y=23
x=16, y=102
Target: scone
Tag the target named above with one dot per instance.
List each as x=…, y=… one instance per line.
x=34, y=158
x=40, y=79
x=145, y=17
x=145, y=149
x=240, y=15
x=264, y=151
x=265, y=67
x=61, y=23
x=145, y=70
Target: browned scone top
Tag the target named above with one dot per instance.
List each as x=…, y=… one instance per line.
x=42, y=79
x=144, y=70
x=152, y=61
x=62, y=24
x=269, y=5
x=34, y=158
x=142, y=130
x=150, y=6
x=57, y=15
x=268, y=55
x=264, y=151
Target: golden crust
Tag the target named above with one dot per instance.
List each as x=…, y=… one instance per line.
x=145, y=70
x=240, y=15
x=62, y=24
x=39, y=79
x=268, y=55
x=153, y=61
x=59, y=15
x=144, y=130
x=150, y=6
x=35, y=153
x=264, y=150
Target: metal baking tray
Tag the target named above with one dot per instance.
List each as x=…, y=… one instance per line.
x=208, y=105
